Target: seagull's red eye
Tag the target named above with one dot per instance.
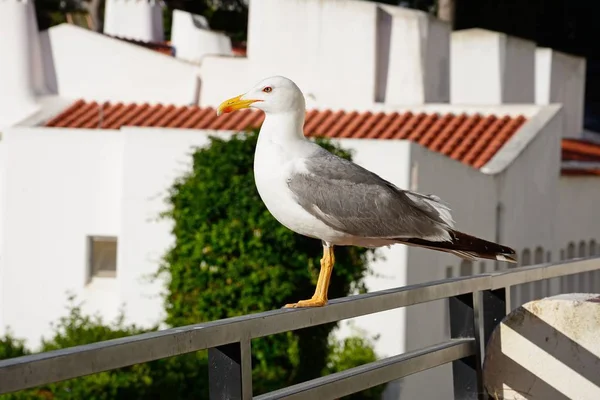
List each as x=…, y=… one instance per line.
x=268, y=89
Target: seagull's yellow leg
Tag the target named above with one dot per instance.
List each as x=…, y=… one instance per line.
x=319, y=299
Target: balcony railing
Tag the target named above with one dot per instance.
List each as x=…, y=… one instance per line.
x=477, y=304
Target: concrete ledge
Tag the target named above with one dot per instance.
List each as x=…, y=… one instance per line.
x=546, y=349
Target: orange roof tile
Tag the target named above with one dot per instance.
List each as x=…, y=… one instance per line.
x=472, y=140
x=580, y=172
x=580, y=151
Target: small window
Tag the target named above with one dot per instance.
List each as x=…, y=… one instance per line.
x=571, y=251
x=582, y=246
x=449, y=272
x=539, y=256
x=593, y=250
x=526, y=258
x=102, y=257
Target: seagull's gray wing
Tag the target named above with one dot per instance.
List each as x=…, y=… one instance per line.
x=355, y=201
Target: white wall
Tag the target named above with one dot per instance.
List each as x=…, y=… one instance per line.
x=192, y=39
x=579, y=221
x=560, y=78
x=215, y=88
x=82, y=61
x=153, y=159
x=135, y=19
x=491, y=68
x=345, y=53
x=576, y=212
x=528, y=188
x=21, y=68
x=292, y=29
x=59, y=186
x=471, y=196
x=415, y=66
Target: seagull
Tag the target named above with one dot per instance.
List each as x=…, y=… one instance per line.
x=320, y=195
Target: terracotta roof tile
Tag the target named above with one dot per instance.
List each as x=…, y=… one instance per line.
x=408, y=127
x=447, y=132
x=381, y=126
x=368, y=125
x=436, y=128
x=398, y=121
x=580, y=151
x=472, y=140
x=580, y=172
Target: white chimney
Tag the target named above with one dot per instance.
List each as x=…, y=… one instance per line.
x=491, y=68
x=560, y=78
x=21, y=69
x=134, y=19
x=192, y=38
x=413, y=57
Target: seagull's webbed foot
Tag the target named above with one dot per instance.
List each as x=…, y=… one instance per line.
x=313, y=302
x=319, y=299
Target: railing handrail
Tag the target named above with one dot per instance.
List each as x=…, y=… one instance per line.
x=54, y=366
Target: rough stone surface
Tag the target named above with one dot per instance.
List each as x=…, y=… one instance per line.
x=547, y=349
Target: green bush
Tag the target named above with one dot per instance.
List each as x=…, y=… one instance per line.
x=11, y=347
x=182, y=377
x=230, y=258
x=349, y=353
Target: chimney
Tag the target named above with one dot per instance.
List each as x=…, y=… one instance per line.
x=134, y=19
x=491, y=68
x=413, y=57
x=193, y=39
x=21, y=69
x=560, y=78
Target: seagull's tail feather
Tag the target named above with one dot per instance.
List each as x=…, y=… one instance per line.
x=467, y=247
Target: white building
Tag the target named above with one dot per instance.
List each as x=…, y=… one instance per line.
x=82, y=181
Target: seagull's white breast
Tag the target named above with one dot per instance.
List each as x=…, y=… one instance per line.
x=273, y=164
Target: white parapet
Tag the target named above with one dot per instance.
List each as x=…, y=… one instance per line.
x=491, y=68
x=546, y=349
x=134, y=19
x=560, y=78
x=21, y=68
x=413, y=57
x=345, y=53
x=192, y=38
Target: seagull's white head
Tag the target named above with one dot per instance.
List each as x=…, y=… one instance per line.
x=273, y=95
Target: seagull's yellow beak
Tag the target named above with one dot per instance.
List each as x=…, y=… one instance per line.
x=233, y=104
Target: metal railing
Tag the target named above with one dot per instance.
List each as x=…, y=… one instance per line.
x=477, y=304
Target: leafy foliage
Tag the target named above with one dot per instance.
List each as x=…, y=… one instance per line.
x=231, y=257
x=349, y=353
x=184, y=377
x=11, y=347
x=229, y=16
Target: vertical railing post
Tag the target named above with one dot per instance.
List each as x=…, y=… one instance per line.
x=230, y=371
x=494, y=310
x=465, y=321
